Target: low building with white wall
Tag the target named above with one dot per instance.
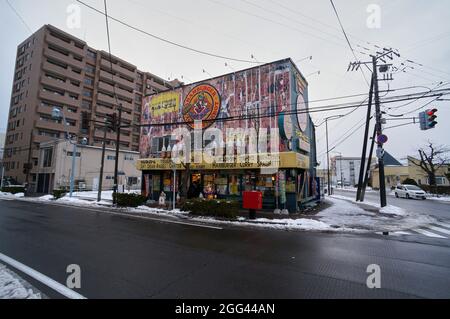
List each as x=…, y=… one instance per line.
x=55, y=166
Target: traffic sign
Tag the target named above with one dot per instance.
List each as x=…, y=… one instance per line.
x=382, y=139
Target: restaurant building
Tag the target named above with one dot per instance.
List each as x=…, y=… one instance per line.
x=255, y=134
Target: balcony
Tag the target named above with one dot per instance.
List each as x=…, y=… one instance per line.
x=64, y=72
x=157, y=86
x=106, y=99
x=60, y=127
x=107, y=76
x=63, y=58
x=69, y=46
x=65, y=100
x=66, y=86
x=109, y=88
x=117, y=68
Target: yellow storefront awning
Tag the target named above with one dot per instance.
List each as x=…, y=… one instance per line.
x=277, y=160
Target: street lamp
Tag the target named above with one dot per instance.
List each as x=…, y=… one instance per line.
x=58, y=114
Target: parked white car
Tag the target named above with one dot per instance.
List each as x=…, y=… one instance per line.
x=410, y=191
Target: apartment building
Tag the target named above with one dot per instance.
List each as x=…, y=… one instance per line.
x=55, y=69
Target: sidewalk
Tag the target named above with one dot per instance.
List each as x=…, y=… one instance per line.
x=335, y=214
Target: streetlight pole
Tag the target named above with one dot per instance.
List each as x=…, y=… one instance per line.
x=328, y=159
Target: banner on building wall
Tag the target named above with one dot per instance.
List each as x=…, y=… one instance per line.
x=163, y=103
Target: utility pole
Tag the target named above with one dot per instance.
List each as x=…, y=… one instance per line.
x=369, y=163
x=116, y=164
x=328, y=159
x=379, y=132
x=366, y=136
x=102, y=165
x=383, y=55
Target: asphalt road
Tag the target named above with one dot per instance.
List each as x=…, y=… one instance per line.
x=124, y=257
x=437, y=209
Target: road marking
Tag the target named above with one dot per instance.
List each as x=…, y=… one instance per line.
x=427, y=233
x=140, y=217
x=443, y=224
x=63, y=290
x=441, y=230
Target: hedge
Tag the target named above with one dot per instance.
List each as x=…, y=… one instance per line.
x=13, y=189
x=214, y=207
x=59, y=193
x=129, y=199
x=436, y=189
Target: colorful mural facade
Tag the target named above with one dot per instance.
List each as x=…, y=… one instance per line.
x=273, y=93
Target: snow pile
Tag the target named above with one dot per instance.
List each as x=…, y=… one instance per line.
x=13, y=287
x=393, y=210
x=346, y=213
x=441, y=199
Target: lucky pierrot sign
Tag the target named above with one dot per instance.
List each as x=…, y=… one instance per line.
x=202, y=103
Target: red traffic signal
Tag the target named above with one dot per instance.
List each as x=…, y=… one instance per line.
x=431, y=118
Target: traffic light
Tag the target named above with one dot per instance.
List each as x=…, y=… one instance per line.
x=431, y=118
x=111, y=121
x=428, y=119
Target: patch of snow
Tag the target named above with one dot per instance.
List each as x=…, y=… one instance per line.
x=13, y=287
x=19, y=195
x=441, y=199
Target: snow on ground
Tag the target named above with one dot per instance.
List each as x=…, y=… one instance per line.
x=441, y=199
x=344, y=215
x=106, y=195
x=13, y=287
x=346, y=212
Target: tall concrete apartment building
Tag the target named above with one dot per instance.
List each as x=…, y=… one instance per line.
x=55, y=69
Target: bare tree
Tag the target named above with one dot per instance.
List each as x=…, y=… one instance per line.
x=432, y=158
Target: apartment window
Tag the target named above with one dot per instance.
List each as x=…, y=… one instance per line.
x=70, y=154
x=89, y=81
x=75, y=83
x=53, y=91
x=60, y=64
x=111, y=158
x=128, y=157
x=89, y=69
x=47, y=157
x=91, y=54
x=87, y=93
x=86, y=104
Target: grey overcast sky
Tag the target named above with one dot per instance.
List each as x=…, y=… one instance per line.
x=270, y=30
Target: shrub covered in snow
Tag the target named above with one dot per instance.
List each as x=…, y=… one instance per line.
x=129, y=199
x=212, y=207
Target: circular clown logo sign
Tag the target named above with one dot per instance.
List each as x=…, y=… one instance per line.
x=201, y=104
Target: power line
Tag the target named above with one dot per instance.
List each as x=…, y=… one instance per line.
x=19, y=16
x=163, y=39
x=346, y=38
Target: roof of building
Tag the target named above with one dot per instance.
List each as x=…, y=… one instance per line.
x=390, y=160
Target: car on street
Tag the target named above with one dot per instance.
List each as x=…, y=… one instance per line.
x=410, y=191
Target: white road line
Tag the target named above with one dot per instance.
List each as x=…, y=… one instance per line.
x=443, y=224
x=140, y=217
x=63, y=290
x=439, y=229
x=427, y=233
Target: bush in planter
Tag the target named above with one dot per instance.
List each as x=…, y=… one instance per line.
x=13, y=189
x=213, y=207
x=59, y=193
x=129, y=200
